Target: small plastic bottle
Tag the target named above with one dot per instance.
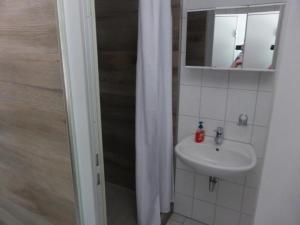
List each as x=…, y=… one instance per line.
x=200, y=133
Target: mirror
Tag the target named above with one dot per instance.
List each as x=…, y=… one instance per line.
x=233, y=38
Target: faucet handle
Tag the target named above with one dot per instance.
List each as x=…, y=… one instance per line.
x=219, y=130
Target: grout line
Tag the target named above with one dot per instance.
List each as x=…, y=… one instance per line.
x=219, y=87
x=234, y=210
x=186, y=115
x=194, y=184
x=201, y=91
x=251, y=141
x=255, y=110
x=259, y=81
x=203, y=175
x=227, y=99
x=242, y=201
x=215, y=208
x=228, y=121
x=191, y=85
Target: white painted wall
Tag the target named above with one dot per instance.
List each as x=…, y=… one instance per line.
x=279, y=196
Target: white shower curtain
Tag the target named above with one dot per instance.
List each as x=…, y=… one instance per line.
x=154, y=139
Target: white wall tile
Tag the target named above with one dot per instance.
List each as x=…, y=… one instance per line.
x=201, y=189
x=181, y=165
x=238, y=133
x=189, y=103
x=203, y=212
x=237, y=179
x=183, y=205
x=244, y=80
x=240, y=101
x=187, y=126
x=230, y=195
x=266, y=82
x=213, y=103
x=246, y=220
x=211, y=125
x=184, y=182
x=253, y=177
x=215, y=78
x=226, y=216
x=190, y=76
x=249, y=201
x=259, y=140
x=263, y=108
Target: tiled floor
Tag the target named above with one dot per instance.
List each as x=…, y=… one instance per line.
x=177, y=219
x=121, y=205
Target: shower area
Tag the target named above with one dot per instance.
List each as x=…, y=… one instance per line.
x=117, y=30
x=117, y=35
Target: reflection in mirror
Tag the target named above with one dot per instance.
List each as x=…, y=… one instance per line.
x=233, y=38
x=261, y=39
x=229, y=36
x=199, y=38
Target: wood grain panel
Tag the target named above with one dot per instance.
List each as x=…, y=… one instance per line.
x=117, y=24
x=117, y=29
x=176, y=13
x=112, y=8
x=35, y=164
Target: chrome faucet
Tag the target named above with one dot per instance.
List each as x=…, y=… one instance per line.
x=219, y=135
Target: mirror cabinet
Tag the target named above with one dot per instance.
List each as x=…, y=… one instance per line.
x=234, y=38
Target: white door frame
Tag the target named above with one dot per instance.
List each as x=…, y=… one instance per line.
x=77, y=28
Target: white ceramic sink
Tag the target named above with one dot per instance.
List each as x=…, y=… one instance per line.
x=229, y=159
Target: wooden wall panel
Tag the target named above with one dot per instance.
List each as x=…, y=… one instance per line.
x=117, y=24
x=35, y=166
x=117, y=29
x=176, y=14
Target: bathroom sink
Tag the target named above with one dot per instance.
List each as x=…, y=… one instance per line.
x=228, y=159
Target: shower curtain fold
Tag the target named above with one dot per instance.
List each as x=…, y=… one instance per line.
x=154, y=138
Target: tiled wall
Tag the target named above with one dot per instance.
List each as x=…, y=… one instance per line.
x=218, y=98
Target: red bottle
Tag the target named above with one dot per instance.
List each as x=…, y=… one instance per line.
x=200, y=133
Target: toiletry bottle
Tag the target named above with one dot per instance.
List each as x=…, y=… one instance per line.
x=200, y=133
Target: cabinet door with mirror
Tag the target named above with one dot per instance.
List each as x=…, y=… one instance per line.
x=234, y=38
